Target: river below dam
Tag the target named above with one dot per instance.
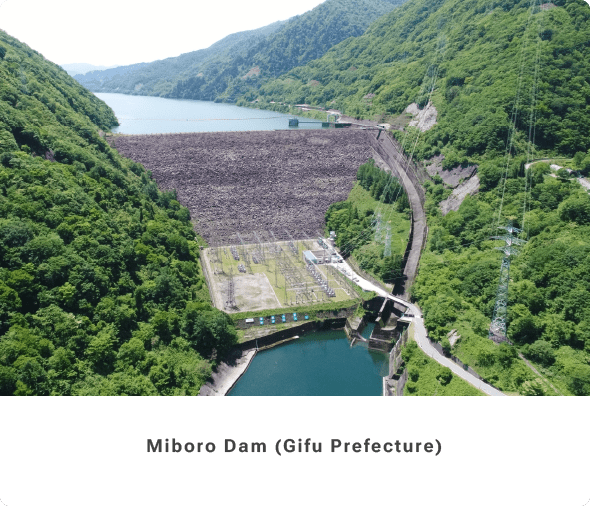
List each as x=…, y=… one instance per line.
x=318, y=363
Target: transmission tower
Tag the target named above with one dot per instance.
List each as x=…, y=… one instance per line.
x=378, y=227
x=387, y=249
x=244, y=252
x=260, y=249
x=230, y=303
x=497, y=331
x=292, y=244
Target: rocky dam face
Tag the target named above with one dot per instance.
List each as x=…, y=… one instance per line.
x=244, y=182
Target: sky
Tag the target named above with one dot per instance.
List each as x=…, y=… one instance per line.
x=121, y=32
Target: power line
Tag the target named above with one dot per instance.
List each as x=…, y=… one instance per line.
x=498, y=331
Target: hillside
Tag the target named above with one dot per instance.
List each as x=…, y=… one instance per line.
x=100, y=291
x=510, y=85
x=240, y=62
x=157, y=78
x=472, y=57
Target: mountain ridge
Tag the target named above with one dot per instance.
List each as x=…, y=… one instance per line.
x=215, y=73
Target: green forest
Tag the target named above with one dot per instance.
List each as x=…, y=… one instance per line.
x=549, y=306
x=373, y=224
x=100, y=290
x=510, y=85
x=469, y=60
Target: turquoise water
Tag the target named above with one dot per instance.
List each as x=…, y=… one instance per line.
x=154, y=115
x=320, y=363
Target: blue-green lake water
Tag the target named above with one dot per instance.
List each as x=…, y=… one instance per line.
x=319, y=363
x=155, y=115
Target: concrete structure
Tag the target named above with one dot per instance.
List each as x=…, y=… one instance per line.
x=317, y=257
x=354, y=326
x=309, y=257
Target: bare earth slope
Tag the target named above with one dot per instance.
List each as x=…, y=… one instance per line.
x=241, y=182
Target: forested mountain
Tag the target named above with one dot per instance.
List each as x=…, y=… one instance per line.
x=471, y=54
x=242, y=61
x=100, y=291
x=158, y=78
x=511, y=83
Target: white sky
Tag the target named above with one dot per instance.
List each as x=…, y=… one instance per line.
x=120, y=32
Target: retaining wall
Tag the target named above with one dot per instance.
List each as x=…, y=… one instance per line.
x=401, y=383
x=408, y=173
x=395, y=357
x=281, y=335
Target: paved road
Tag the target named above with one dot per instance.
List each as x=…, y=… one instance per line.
x=420, y=336
x=583, y=181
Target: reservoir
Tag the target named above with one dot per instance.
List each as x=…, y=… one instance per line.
x=318, y=363
x=155, y=115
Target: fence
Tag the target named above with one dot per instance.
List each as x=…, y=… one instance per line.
x=205, y=269
x=289, y=318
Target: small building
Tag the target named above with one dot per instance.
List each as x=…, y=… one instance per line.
x=309, y=257
x=317, y=257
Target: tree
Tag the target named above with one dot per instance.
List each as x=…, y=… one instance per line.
x=576, y=208
x=578, y=378
x=445, y=376
x=542, y=352
x=533, y=387
x=100, y=351
x=8, y=380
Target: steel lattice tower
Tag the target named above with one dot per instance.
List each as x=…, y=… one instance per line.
x=497, y=331
x=378, y=227
x=231, y=298
x=387, y=249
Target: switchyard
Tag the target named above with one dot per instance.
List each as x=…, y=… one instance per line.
x=260, y=272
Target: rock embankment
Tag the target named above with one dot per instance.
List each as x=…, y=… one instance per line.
x=241, y=182
x=228, y=373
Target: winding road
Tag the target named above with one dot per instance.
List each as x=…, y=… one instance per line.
x=420, y=335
